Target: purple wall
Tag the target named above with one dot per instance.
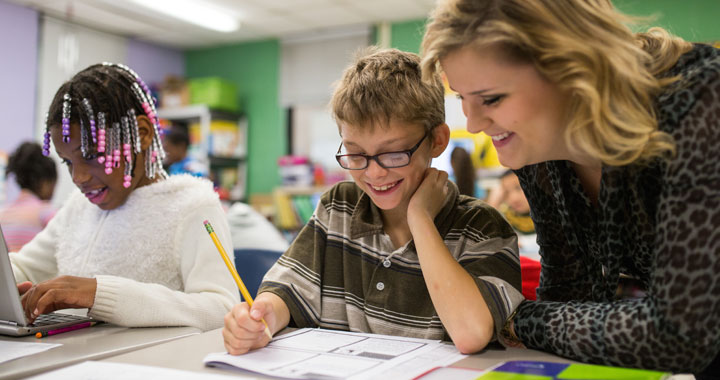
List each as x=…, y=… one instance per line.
x=154, y=62
x=18, y=74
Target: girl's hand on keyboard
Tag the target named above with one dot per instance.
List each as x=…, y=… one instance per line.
x=24, y=287
x=59, y=293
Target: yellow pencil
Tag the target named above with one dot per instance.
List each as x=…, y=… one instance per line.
x=233, y=272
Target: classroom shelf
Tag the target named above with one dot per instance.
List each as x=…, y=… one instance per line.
x=224, y=154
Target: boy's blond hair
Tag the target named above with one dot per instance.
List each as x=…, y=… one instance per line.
x=386, y=85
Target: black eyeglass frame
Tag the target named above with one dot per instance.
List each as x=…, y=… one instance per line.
x=409, y=153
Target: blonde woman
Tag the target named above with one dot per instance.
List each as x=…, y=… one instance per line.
x=615, y=137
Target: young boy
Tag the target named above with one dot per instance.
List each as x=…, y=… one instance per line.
x=177, y=161
x=398, y=251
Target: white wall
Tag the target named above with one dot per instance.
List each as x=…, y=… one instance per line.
x=64, y=50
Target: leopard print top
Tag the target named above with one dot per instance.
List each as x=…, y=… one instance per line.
x=658, y=223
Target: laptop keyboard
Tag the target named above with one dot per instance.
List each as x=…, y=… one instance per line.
x=53, y=318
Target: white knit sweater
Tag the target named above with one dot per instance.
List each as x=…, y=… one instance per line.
x=154, y=262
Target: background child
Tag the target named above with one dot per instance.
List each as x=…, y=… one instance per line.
x=30, y=212
x=398, y=251
x=463, y=171
x=509, y=198
x=176, y=142
x=130, y=245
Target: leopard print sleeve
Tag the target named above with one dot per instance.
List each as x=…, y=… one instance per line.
x=562, y=276
x=676, y=325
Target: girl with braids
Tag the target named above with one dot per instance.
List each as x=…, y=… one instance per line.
x=615, y=137
x=30, y=212
x=130, y=245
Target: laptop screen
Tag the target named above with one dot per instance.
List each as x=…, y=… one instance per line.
x=10, y=307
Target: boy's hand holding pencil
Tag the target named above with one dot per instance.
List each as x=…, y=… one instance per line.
x=244, y=328
x=255, y=315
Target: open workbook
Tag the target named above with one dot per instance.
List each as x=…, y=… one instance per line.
x=328, y=354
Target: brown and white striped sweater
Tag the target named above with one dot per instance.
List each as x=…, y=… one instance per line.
x=342, y=271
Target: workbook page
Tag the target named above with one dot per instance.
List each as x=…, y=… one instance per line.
x=318, y=353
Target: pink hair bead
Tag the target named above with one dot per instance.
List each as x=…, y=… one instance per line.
x=108, y=170
x=101, y=141
x=116, y=158
x=101, y=159
x=126, y=152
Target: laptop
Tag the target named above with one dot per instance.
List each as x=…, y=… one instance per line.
x=12, y=318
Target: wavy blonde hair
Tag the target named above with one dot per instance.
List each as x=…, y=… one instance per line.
x=585, y=48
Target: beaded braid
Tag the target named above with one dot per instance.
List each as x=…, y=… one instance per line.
x=126, y=151
x=66, y=118
x=116, y=141
x=156, y=153
x=46, y=138
x=84, y=148
x=89, y=113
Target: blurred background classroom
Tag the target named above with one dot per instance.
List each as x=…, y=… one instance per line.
x=243, y=87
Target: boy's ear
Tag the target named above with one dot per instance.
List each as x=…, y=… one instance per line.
x=146, y=131
x=440, y=139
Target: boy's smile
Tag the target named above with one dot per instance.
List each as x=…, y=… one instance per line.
x=389, y=188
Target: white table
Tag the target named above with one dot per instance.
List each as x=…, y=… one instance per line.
x=93, y=343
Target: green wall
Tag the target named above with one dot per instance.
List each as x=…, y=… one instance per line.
x=407, y=35
x=693, y=20
x=255, y=68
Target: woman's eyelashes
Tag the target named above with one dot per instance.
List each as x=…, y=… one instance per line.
x=492, y=100
x=486, y=100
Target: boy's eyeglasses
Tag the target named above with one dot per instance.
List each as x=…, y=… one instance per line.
x=386, y=160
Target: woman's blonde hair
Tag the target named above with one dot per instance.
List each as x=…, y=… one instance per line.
x=585, y=48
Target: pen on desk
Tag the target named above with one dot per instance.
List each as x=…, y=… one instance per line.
x=65, y=329
x=241, y=285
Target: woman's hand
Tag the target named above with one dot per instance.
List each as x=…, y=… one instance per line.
x=429, y=197
x=59, y=293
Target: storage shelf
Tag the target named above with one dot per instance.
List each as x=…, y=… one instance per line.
x=216, y=164
x=195, y=112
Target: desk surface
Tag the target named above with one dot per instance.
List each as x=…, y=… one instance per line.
x=188, y=354
x=93, y=343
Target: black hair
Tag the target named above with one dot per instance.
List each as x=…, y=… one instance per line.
x=107, y=88
x=177, y=135
x=117, y=93
x=31, y=168
x=464, y=171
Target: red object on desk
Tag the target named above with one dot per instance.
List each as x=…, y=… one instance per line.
x=65, y=329
x=530, y=275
